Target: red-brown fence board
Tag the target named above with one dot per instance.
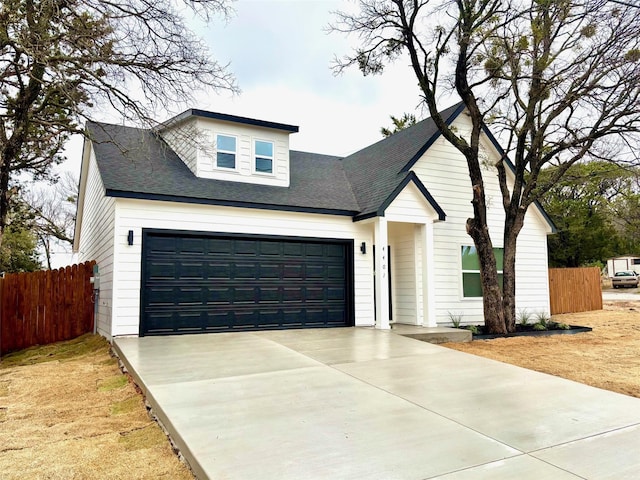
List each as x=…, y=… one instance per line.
x=574, y=290
x=45, y=307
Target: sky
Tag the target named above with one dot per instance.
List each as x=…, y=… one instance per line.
x=280, y=54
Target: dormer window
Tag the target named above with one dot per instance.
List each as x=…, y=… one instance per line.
x=263, y=156
x=225, y=151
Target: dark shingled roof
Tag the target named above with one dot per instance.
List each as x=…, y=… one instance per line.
x=375, y=171
x=137, y=163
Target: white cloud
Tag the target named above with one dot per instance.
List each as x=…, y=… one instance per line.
x=281, y=55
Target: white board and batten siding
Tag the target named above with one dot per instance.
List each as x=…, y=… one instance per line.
x=444, y=173
x=137, y=215
x=96, y=238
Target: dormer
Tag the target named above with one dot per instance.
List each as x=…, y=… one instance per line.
x=228, y=147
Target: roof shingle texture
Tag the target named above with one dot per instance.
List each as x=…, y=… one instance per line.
x=375, y=171
x=137, y=162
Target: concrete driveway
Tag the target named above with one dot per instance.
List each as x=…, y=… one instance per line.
x=622, y=294
x=353, y=403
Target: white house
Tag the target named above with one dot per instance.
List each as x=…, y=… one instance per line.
x=211, y=223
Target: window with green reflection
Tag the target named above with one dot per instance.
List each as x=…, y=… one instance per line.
x=471, y=285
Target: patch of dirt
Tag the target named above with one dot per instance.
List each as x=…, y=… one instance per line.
x=66, y=411
x=605, y=358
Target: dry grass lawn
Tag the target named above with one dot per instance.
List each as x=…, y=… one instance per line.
x=67, y=412
x=608, y=357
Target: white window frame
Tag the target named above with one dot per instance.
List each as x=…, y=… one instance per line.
x=256, y=156
x=232, y=152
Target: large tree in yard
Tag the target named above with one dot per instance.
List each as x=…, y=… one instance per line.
x=61, y=61
x=557, y=80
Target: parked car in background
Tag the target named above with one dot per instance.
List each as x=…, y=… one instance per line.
x=625, y=278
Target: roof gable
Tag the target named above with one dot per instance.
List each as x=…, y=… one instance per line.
x=375, y=172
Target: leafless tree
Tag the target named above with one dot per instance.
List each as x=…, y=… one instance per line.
x=61, y=61
x=559, y=80
x=52, y=208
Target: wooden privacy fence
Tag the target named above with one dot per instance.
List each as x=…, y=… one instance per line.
x=45, y=307
x=574, y=290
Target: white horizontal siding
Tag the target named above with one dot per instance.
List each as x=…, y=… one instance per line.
x=139, y=214
x=410, y=206
x=443, y=171
x=96, y=241
x=245, y=135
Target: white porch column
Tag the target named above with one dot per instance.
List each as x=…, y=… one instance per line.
x=428, y=276
x=381, y=240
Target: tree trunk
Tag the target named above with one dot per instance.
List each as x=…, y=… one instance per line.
x=491, y=294
x=5, y=193
x=512, y=226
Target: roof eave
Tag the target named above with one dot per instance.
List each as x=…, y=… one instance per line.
x=226, y=203
x=449, y=120
x=410, y=177
x=194, y=112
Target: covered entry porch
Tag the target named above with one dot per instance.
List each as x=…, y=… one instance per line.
x=403, y=258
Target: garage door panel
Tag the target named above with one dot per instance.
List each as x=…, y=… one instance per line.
x=270, y=249
x=219, y=270
x=292, y=249
x=246, y=247
x=315, y=272
x=189, y=296
x=292, y=294
x=292, y=271
x=192, y=246
x=335, y=294
x=270, y=272
x=335, y=272
x=159, y=296
x=191, y=270
x=335, y=251
x=315, y=294
x=210, y=284
x=161, y=270
x=244, y=295
x=219, y=246
x=246, y=271
x=269, y=295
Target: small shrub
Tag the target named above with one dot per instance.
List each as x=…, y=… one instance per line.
x=455, y=318
x=523, y=316
x=562, y=326
x=542, y=317
x=539, y=326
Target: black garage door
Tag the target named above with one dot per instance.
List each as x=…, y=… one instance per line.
x=196, y=283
